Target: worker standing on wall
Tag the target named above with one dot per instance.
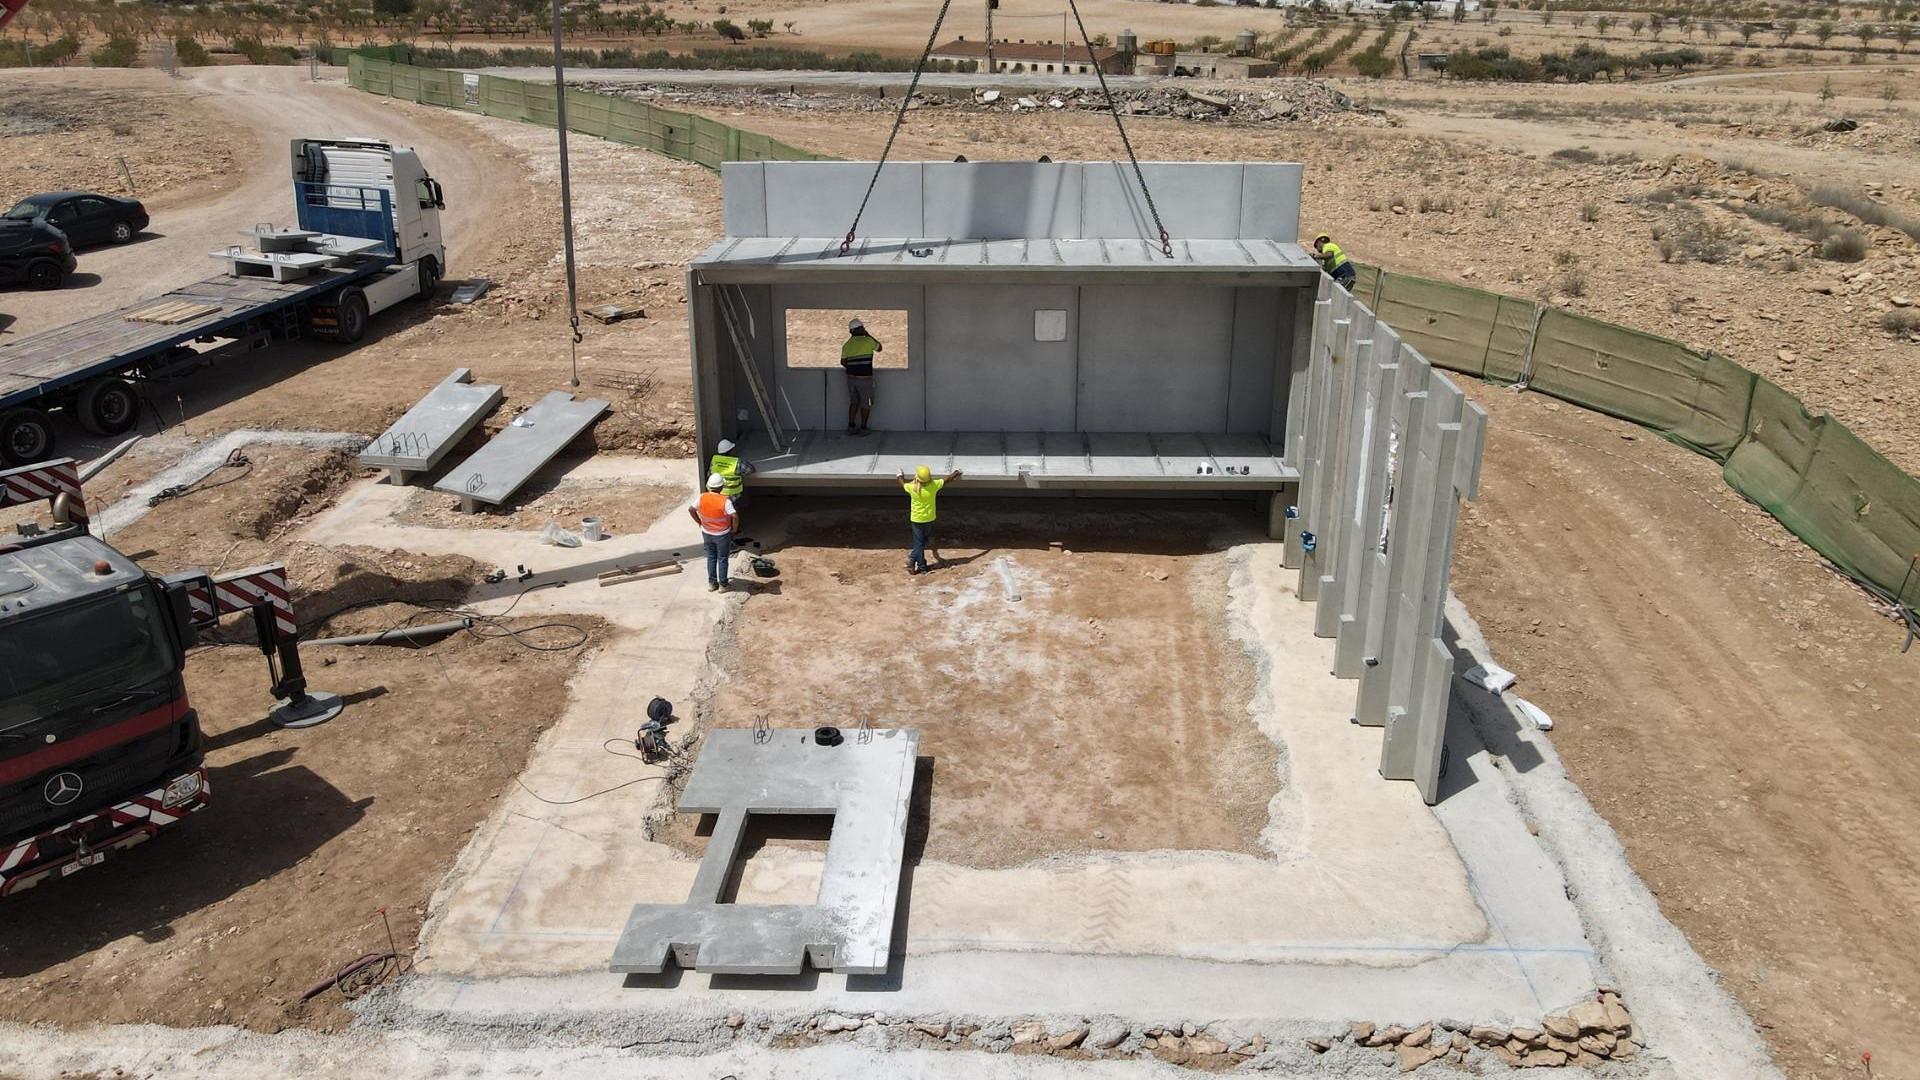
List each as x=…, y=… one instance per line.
x=715, y=513
x=1334, y=261
x=921, y=492
x=856, y=356
x=734, y=471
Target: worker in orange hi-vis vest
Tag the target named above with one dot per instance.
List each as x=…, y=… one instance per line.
x=715, y=514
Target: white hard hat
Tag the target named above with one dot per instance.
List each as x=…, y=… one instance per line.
x=716, y=481
x=856, y=324
x=726, y=446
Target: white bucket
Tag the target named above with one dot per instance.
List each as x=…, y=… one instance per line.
x=590, y=528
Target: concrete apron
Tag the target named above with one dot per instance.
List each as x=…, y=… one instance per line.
x=1373, y=906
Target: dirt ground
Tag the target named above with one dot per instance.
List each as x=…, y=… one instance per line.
x=622, y=508
x=228, y=917
x=169, y=139
x=1105, y=710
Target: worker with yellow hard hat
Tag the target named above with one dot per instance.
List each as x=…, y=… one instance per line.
x=1333, y=260
x=921, y=492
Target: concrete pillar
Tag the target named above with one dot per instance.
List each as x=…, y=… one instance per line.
x=1355, y=367
x=1305, y=404
x=1361, y=557
x=1316, y=480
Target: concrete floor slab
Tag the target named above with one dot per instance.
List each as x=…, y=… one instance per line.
x=864, y=780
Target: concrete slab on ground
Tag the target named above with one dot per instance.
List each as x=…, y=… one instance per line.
x=435, y=425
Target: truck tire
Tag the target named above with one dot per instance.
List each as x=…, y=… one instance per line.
x=46, y=275
x=352, y=316
x=429, y=278
x=108, y=406
x=26, y=436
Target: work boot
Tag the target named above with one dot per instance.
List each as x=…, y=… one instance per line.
x=713, y=586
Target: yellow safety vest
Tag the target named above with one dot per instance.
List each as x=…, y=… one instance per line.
x=857, y=354
x=1334, y=257
x=922, y=499
x=729, y=469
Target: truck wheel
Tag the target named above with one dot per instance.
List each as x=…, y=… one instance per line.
x=108, y=406
x=352, y=315
x=45, y=275
x=122, y=232
x=26, y=436
x=429, y=278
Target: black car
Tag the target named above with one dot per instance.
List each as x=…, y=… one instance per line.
x=85, y=217
x=34, y=252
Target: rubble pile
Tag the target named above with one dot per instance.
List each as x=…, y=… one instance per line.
x=1269, y=101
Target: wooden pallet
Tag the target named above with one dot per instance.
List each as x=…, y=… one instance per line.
x=172, y=312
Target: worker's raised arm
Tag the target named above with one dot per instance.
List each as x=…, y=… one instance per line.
x=901, y=477
x=952, y=476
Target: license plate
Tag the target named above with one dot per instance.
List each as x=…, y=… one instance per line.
x=84, y=861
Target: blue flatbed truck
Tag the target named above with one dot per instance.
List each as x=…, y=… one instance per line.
x=367, y=238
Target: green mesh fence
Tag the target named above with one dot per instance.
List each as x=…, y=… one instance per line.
x=1835, y=492
x=633, y=123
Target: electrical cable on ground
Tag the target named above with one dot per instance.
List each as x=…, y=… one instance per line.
x=235, y=460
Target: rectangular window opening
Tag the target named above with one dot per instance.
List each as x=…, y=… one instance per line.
x=815, y=335
x=781, y=860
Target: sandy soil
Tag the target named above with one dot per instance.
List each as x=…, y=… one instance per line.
x=72, y=128
x=1106, y=710
x=230, y=916
x=1734, y=709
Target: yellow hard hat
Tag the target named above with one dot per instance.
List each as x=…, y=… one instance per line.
x=923, y=474
x=1321, y=238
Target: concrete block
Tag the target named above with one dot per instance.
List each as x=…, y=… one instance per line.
x=743, y=197
x=435, y=425
x=495, y=471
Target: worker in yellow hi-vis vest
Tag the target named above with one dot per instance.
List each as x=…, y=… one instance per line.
x=1334, y=261
x=922, y=491
x=856, y=356
x=734, y=471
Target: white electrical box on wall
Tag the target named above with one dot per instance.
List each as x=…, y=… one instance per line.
x=1049, y=325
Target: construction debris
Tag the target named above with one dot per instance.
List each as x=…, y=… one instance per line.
x=1275, y=101
x=607, y=314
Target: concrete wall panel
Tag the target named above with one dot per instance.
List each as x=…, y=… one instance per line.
x=985, y=371
x=1154, y=358
x=743, y=197
x=1256, y=326
x=1195, y=202
x=1270, y=201
x=998, y=200
x=819, y=198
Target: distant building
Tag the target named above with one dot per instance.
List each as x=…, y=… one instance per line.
x=1034, y=57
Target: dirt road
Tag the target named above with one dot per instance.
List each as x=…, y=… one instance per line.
x=274, y=104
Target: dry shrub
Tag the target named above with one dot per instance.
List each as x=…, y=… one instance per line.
x=1436, y=204
x=1901, y=321
x=1590, y=211
x=1574, y=282
x=1847, y=245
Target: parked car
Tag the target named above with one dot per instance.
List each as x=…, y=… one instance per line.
x=36, y=253
x=85, y=217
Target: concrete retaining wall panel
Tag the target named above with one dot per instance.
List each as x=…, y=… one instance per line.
x=1195, y=203
x=743, y=197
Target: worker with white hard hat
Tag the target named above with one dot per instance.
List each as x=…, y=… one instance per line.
x=714, y=513
x=856, y=356
x=733, y=470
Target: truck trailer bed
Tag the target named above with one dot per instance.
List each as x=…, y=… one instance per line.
x=111, y=342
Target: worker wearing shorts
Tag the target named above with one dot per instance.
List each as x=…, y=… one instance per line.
x=856, y=357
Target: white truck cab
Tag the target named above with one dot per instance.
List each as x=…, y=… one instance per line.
x=348, y=167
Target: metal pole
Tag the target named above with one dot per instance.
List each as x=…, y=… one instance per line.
x=566, y=190
x=990, y=68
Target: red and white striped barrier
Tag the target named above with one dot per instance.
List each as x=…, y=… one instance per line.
x=244, y=591
x=47, y=480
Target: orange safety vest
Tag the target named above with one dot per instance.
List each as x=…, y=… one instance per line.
x=714, y=519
